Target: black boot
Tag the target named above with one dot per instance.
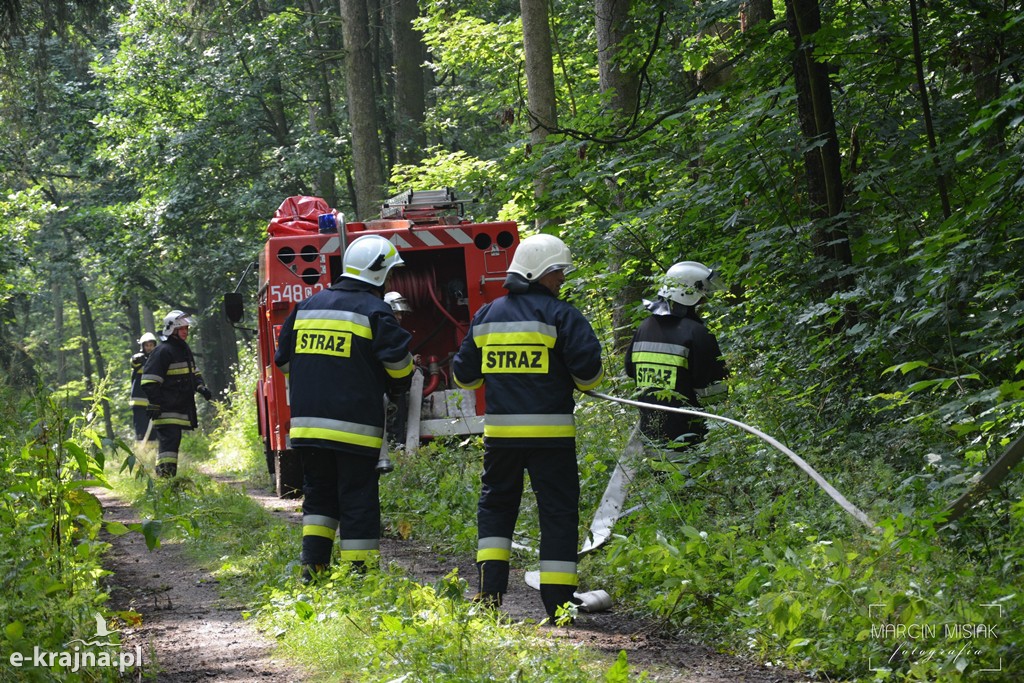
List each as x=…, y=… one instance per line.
x=166, y=470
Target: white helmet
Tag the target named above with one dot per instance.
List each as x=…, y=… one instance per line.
x=538, y=255
x=687, y=282
x=173, y=321
x=397, y=302
x=148, y=337
x=369, y=259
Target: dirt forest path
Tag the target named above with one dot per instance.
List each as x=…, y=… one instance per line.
x=189, y=633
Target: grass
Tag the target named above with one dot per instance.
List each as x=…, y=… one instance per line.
x=381, y=626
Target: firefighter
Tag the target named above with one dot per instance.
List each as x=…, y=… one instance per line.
x=399, y=306
x=398, y=409
x=171, y=381
x=341, y=351
x=674, y=360
x=530, y=350
x=137, y=398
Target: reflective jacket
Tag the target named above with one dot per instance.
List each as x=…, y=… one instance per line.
x=675, y=362
x=138, y=397
x=341, y=350
x=170, y=380
x=529, y=350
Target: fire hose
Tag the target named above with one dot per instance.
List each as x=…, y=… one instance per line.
x=841, y=500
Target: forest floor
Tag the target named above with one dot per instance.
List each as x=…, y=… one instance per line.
x=190, y=633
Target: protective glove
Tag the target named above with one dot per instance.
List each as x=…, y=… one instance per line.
x=205, y=392
x=152, y=410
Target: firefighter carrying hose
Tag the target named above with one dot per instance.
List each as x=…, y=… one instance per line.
x=341, y=350
x=530, y=350
x=171, y=381
x=137, y=398
x=674, y=360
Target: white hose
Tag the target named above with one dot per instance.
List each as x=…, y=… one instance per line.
x=800, y=462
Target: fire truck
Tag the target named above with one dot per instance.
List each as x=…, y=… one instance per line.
x=452, y=267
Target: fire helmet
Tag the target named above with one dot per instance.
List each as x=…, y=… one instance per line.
x=397, y=302
x=687, y=282
x=173, y=321
x=538, y=255
x=369, y=259
x=147, y=337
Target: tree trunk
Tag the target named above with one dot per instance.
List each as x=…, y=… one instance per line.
x=362, y=106
x=410, y=83
x=322, y=117
x=540, y=80
x=214, y=357
x=612, y=27
x=753, y=12
x=621, y=86
x=90, y=339
x=821, y=145
x=59, y=354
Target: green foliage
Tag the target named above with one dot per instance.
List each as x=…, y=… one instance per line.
x=395, y=628
x=49, y=525
x=235, y=442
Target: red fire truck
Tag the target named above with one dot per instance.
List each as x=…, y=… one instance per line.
x=452, y=267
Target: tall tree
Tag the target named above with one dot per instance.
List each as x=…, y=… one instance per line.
x=367, y=164
x=409, y=82
x=822, y=162
x=540, y=80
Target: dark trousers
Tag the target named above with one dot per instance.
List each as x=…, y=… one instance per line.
x=555, y=480
x=140, y=422
x=341, y=495
x=168, y=439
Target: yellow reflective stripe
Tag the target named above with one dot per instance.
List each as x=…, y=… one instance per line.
x=166, y=457
x=337, y=430
x=358, y=555
x=334, y=326
x=181, y=422
x=587, y=385
x=493, y=548
x=484, y=554
x=152, y=379
x=400, y=369
x=559, y=579
x=468, y=385
x=714, y=393
x=139, y=402
x=661, y=347
x=660, y=359
x=532, y=431
x=317, y=530
x=530, y=426
x=359, y=549
x=336, y=435
x=514, y=338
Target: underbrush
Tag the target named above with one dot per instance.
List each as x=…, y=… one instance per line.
x=736, y=547
x=50, y=549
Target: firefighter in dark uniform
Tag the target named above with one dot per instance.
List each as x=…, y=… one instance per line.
x=171, y=381
x=342, y=349
x=675, y=361
x=137, y=398
x=530, y=350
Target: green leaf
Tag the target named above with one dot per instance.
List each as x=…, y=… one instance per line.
x=904, y=368
x=117, y=529
x=619, y=671
x=14, y=630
